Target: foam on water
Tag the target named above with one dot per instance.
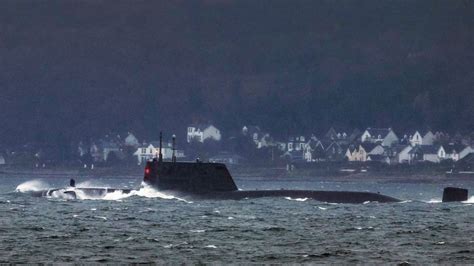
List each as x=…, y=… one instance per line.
x=144, y=191
x=296, y=199
x=434, y=201
x=469, y=200
x=32, y=185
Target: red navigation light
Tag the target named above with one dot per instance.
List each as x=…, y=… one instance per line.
x=147, y=171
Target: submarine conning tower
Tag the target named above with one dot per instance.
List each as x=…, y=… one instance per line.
x=193, y=177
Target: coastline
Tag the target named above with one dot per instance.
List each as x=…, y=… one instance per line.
x=246, y=173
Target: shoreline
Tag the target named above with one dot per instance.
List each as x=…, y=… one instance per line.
x=263, y=174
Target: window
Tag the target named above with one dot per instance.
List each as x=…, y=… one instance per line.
x=143, y=150
x=290, y=146
x=190, y=129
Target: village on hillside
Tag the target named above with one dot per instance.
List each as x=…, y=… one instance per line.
x=250, y=145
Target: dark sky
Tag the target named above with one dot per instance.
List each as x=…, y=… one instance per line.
x=79, y=69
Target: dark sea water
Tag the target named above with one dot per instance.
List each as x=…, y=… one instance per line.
x=150, y=226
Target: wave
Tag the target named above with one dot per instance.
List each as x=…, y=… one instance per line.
x=145, y=191
x=296, y=199
x=433, y=201
x=32, y=185
x=469, y=200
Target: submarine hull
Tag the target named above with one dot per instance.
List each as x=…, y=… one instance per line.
x=199, y=180
x=350, y=197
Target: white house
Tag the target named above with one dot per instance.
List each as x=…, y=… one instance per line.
x=260, y=138
x=202, y=132
x=427, y=153
x=2, y=160
x=152, y=150
x=415, y=138
x=404, y=155
x=296, y=143
x=383, y=136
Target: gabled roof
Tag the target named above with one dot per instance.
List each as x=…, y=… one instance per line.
x=333, y=143
x=332, y=133
x=201, y=126
x=425, y=149
x=375, y=132
x=313, y=144
x=398, y=148
x=351, y=149
x=411, y=133
x=368, y=147
x=454, y=147
x=468, y=159
x=356, y=133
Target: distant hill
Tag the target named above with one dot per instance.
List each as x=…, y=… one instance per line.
x=72, y=69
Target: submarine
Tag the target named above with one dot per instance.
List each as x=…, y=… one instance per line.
x=206, y=180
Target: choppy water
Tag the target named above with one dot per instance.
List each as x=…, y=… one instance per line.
x=149, y=226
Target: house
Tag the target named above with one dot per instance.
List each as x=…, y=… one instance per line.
x=427, y=153
x=131, y=141
x=404, y=154
x=100, y=151
x=465, y=164
x=294, y=156
x=334, y=151
x=314, y=151
x=351, y=153
x=465, y=152
x=260, y=138
x=106, y=148
x=456, y=152
x=363, y=150
x=264, y=141
x=203, y=132
x=384, y=136
x=280, y=145
x=339, y=135
x=355, y=135
x=251, y=131
x=152, y=150
x=227, y=158
x=428, y=138
x=297, y=149
x=2, y=160
x=296, y=143
x=415, y=138
x=378, y=158
x=309, y=149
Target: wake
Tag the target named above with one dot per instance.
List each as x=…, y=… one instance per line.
x=83, y=191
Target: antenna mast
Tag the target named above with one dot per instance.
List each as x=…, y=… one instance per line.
x=160, y=155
